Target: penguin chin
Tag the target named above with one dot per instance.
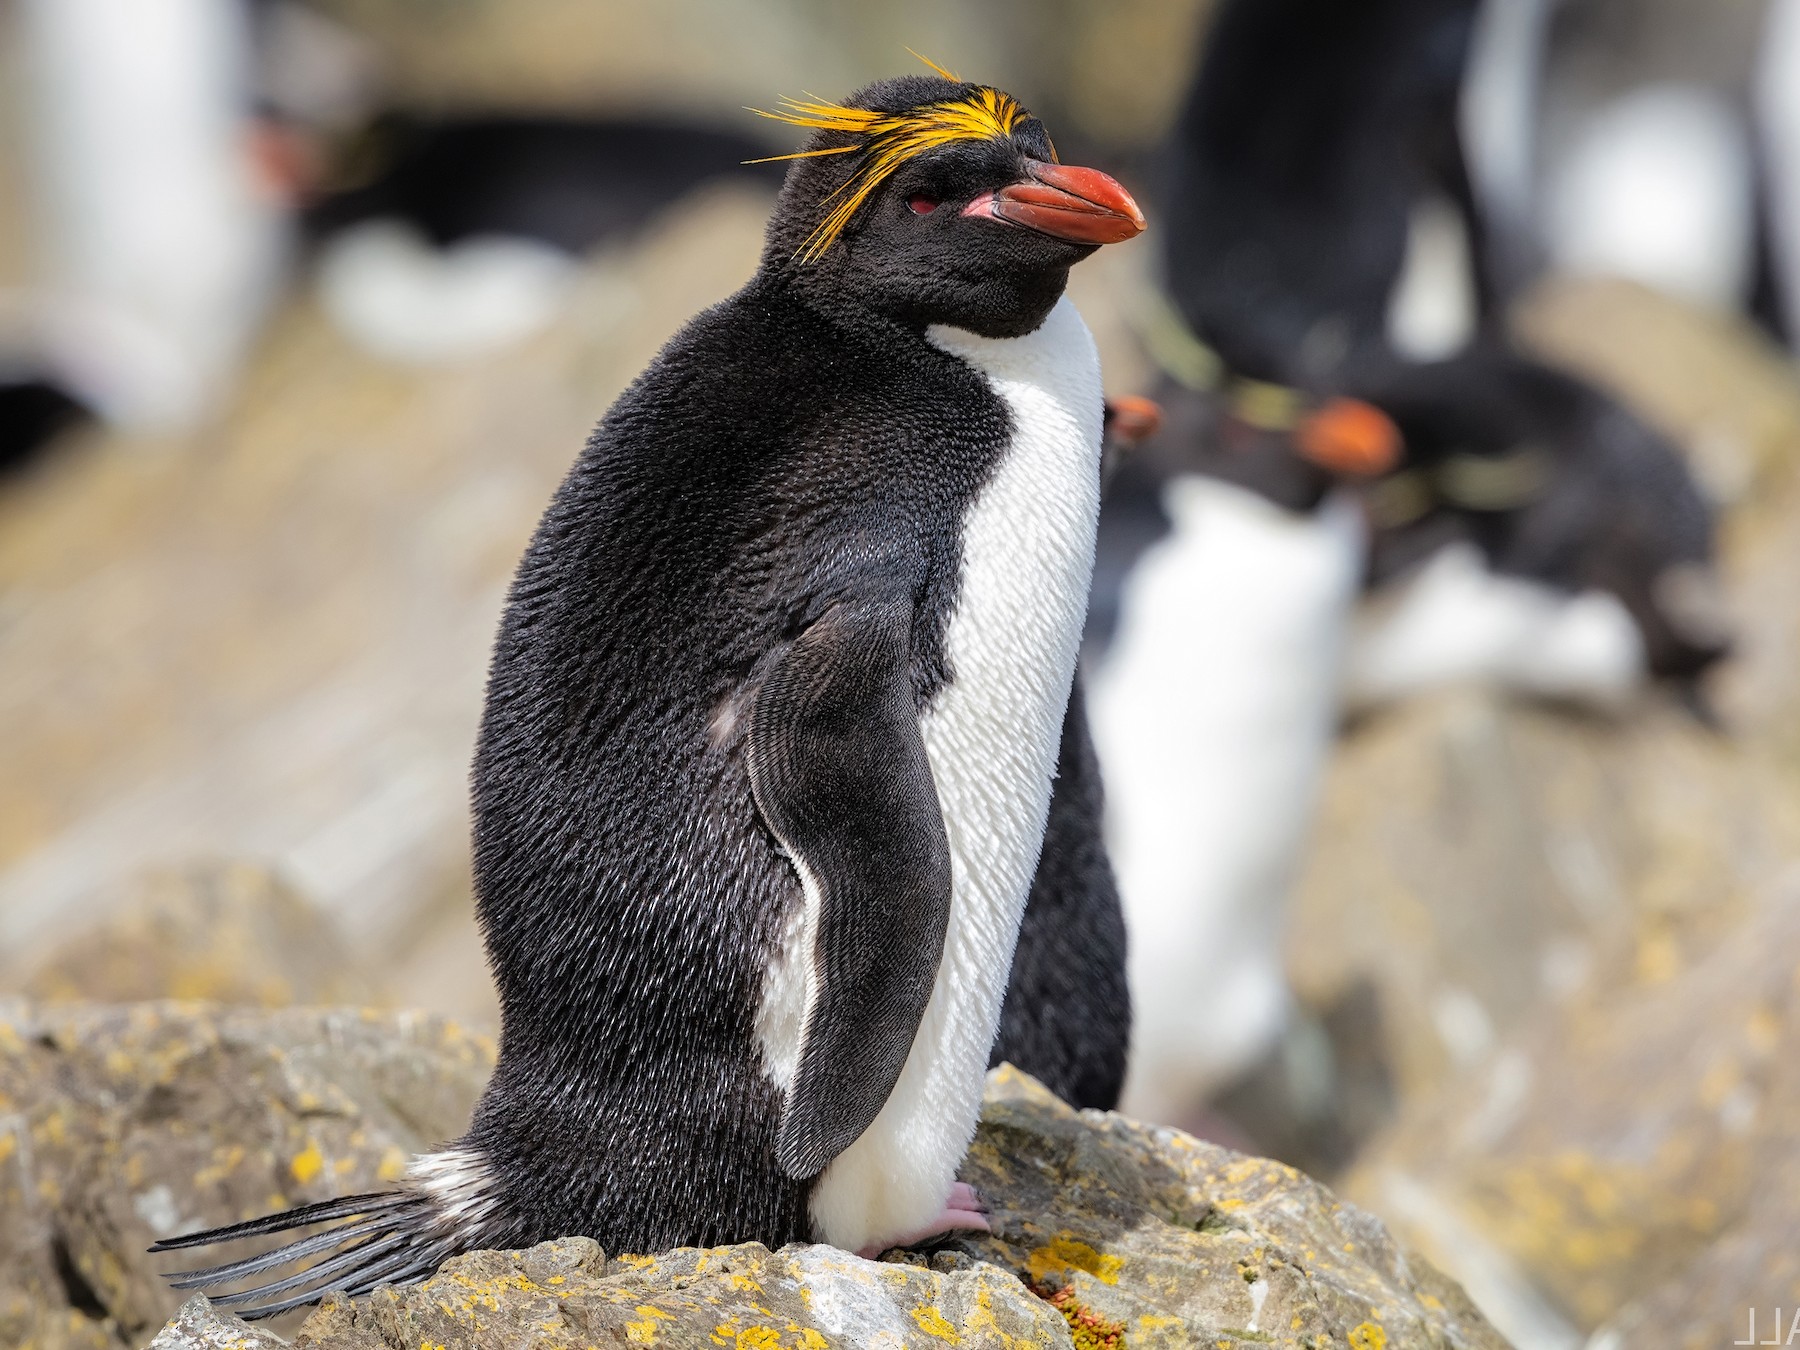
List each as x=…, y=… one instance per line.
x=1006, y=303
x=1009, y=307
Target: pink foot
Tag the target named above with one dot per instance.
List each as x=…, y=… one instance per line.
x=963, y=1212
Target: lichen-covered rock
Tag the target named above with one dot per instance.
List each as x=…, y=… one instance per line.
x=199, y=1326
x=1577, y=937
x=1106, y=1234
x=569, y=1293
x=801, y=1297
x=1638, y=1150
x=1479, y=860
x=226, y=932
x=121, y=1125
x=1143, y=1236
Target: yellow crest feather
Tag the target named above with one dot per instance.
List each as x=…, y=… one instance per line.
x=888, y=140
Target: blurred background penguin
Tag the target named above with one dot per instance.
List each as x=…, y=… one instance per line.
x=1439, y=659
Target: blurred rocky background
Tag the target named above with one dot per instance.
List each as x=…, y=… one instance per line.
x=1547, y=960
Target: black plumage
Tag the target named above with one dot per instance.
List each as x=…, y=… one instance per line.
x=1312, y=129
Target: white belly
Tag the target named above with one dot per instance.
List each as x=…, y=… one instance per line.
x=991, y=736
x=1212, y=717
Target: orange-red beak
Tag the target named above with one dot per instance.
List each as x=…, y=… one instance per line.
x=1131, y=420
x=1348, y=436
x=1083, y=206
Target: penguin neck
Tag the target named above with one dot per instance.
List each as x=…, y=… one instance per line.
x=822, y=291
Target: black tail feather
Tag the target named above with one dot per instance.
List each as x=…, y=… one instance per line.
x=385, y=1238
x=343, y=1208
x=403, y=1267
x=293, y=1251
x=355, y=1259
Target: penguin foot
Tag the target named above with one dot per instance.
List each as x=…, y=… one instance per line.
x=964, y=1212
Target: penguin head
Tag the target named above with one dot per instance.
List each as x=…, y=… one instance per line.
x=1289, y=447
x=934, y=201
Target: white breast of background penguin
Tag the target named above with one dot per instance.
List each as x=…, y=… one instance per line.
x=991, y=736
x=1212, y=716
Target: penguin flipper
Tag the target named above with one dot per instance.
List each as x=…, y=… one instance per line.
x=840, y=776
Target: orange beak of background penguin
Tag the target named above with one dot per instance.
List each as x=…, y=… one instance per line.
x=1083, y=206
x=1350, y=437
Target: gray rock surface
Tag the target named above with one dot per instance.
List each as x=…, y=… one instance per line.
x=1106, y=1234
x=1629, y=1159
x=221, y=931
x=121, y=1125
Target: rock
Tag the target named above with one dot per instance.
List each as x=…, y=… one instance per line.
x=1630, y=1160
x=1559, y=921
x=1106, y=1233
x=1479, y=860
x=199, y=1326
x=224, y=932
x=120, y=1125
x=565, y=1292
x=1162, y=1239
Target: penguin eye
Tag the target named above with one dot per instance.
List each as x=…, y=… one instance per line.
x=921, y=205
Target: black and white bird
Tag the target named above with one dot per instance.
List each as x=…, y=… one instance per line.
x=1231, y=556
x=1316, y=138
x=772, y=725
x=1541, y=537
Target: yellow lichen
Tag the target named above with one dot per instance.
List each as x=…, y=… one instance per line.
x=307, y=1163
x=641, y=1332
x=1368, y=1336
x=1063, y=1255
x=932, y=1323
x=754, y=1337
